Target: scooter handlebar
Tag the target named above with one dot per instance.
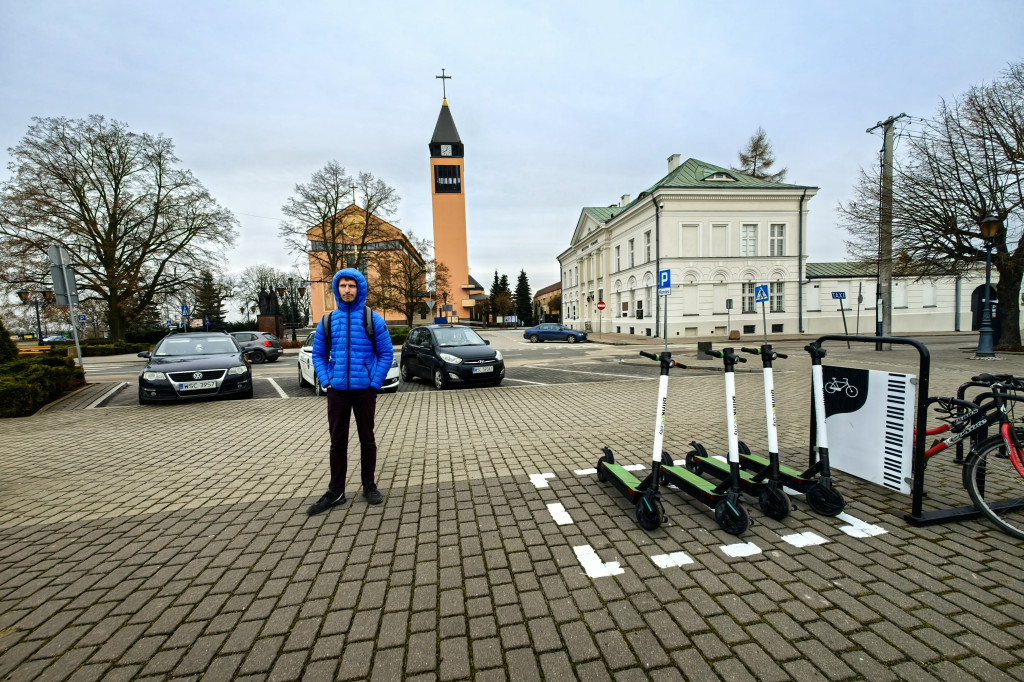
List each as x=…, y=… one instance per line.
x=657, y=358
x=752, y=351
x=652, y=356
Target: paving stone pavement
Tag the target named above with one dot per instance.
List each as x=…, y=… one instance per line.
x=173, y=544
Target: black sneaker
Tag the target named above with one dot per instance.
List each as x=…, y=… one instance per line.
x=372, y=495
x=328, y=500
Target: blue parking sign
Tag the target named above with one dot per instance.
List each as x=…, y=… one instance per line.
x=760, y=293
x=664, y=279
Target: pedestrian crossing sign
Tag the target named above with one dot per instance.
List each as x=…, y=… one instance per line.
x=760, y=293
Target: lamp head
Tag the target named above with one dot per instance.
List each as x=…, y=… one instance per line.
x=280, y=291
x=990, y=226
x=302, y=291
x=23, y=295
x=48, y=294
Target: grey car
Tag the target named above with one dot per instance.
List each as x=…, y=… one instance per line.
x=260, y=346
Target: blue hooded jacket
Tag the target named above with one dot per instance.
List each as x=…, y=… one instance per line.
x=353, y=365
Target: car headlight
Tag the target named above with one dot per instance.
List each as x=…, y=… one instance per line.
x=450, y=359
x=153, y=376
x=241, y=369
x=497, y=354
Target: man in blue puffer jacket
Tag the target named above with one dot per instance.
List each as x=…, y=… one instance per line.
x=356, y=368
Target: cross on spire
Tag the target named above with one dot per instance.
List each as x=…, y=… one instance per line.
x=443, y=78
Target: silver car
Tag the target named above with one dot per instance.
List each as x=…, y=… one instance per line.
x=260, y=346
x=307, y=377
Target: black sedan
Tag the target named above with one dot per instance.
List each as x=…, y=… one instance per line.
x=194, y=365
x=449, y=356
x=550, y=331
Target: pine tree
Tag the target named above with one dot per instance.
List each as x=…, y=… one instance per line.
x=8, y=349
x=524, y=302
x=209, y=302
x=495, y=288
x=757, y=159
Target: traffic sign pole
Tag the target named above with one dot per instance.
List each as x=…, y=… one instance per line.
x=840, y=296
x=761, y=296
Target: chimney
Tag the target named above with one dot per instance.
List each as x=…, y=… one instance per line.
x=624, y=200
x=673, y=162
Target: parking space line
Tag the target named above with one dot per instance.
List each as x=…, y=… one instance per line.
x=593, y=565
x=672, y=560
x=541, y=480
x=524, y=381
x=858, y=528
x=558, y=513
x=740, y=549
x=279, y=389
x=578, y=371
x=804, y=539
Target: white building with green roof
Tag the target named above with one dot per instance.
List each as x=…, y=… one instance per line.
x=721, y=233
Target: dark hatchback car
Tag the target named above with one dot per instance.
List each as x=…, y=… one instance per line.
x=449, y=356
x=550, y=331
x=260, y=346
x=194, y=365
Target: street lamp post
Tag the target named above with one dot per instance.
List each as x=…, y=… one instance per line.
x=990, y=227
x=47, y=296
x=292, y=290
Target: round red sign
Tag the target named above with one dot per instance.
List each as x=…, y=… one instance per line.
x=600, y=305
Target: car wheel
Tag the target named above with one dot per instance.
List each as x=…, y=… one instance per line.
x=317, y=388
x=534, y=338
x=258, y=357
x=440, y=382
x=570, y=339
x=302, y=380
x=406, y=374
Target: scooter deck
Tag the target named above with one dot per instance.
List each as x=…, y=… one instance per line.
x=626, y=478
x=682, y=477
x=721, y=470
x=793, y=478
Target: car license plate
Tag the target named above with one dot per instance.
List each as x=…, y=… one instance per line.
x=197, y=385
x=483, y=370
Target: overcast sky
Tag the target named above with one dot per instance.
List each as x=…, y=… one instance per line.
x=561, y=105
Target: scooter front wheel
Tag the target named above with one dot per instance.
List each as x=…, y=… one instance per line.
x=825, y=500
x=601, y=476
x=649, y=512
x=732, y=517
x=774, y=503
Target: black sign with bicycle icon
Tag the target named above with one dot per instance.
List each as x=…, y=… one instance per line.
x=846, y=389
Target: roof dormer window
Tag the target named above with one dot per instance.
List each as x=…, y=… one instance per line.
x=720, y=177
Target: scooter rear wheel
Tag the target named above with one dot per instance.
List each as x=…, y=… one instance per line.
x=691, y=462
x=732, y=517
x=601, y=477
x=649, y=512
x=774, y=503
x=825, y=500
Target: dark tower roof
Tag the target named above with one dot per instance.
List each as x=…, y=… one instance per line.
x=445, y=131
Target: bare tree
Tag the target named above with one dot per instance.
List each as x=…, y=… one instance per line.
x=757, y=158
x=118, y=203
x=966, y=163
x=336, y=218
x=254, y=279
x=402, y=274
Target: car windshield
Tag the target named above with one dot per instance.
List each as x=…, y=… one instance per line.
x=195, y=346
x=448, y=337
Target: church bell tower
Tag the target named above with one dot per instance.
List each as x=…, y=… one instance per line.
x=448, y=200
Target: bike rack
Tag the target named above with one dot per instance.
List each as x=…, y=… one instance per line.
x=917, y=516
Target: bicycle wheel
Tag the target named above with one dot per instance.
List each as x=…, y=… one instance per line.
x=996, y=486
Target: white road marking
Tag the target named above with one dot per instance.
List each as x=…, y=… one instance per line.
x=558, y=513
x=585, y=472
x=804, y=539
x=593, y=565
x=634, y=467
x=279, y=389
x=524, y=381
x=741, y=549
x=858, y=528
x=671, y=560
x=579, y=371
x=540, y=480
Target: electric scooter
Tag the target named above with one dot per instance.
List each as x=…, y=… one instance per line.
x=644, y=494
x=725, y=497
x=770, y=496
x=816, y=482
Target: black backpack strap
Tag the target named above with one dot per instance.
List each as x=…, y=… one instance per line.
x=368, y=327
x=326, y=321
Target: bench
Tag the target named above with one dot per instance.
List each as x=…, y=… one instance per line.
x=29, y=350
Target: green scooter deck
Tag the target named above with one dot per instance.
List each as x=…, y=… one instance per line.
x=690, y=477
x=626, y=477
x=722, y=470
x=789, y=472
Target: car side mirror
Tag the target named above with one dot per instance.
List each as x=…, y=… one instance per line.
x=486, y=342
x=143, y=354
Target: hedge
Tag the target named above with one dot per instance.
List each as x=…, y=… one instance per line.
x=27, y=384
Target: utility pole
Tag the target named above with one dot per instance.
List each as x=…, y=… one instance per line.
x=883, y=309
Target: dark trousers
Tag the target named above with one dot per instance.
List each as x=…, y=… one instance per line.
x=340, y=406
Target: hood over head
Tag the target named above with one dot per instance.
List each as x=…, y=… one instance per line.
x=351, y=273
